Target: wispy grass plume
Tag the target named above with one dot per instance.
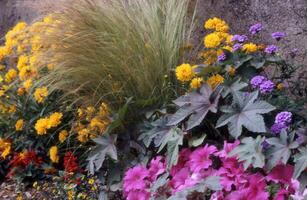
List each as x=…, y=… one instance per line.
x=116, y=48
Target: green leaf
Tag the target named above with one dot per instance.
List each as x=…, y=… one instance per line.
x=105, y=146
x=195, y=105
x=250, y=152
x=232, y=87
x=280, y=150
x=257, y=62
x=244, y=111
x=239, y=59
x=300, y=162
x=211, y=182
x=172, y=139
x=196, y=141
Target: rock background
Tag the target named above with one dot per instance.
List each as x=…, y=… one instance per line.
x=289, y=16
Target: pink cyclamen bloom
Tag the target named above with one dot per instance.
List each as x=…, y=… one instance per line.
x=180, y=177
x=156, y=167
x=227, y=148
x=281, y=174
x=138, y=195
x=135, y=179
x=182, y=160
x=200, y=158
x=282, y=194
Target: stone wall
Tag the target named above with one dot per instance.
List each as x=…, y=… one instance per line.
x=289, y=16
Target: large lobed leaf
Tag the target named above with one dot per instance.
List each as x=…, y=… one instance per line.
x=300, y=162
x=195, y=105
x=244, y=111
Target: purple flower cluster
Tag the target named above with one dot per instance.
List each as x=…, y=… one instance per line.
x=265, y=86
x=278, y=35
x=239, y=38
x=282, y=121
x=271, y=49
x=254, y=29
x=236, y=47
x=221, y=57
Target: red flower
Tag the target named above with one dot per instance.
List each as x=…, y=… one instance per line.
x=70, y=163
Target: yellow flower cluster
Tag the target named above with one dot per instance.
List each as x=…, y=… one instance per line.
x=40, y=94
x=250, y=48
x=43, y=124
x=91, y=122
x=19, y=125
x=196, y=83
x=5, y=147
x=53, y=154
x=216, y=24
x=63, y=135
x=184, y=72
x=215, y=80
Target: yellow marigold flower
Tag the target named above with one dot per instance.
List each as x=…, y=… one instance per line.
x=231, y=71
x=196, y=83
x=212, y=40
x=53, y=154
x=103, y=110
x=91, y=181
x=97, y=123
x=184, y=72
x=229, y=39
x=27, y=72
x=40, y=94
x=280, y=86
x=215, y=80
x=63, y=135
x=216, y=24
x=83, y=135
x=19, y=125
x=5, y=148
x=250, y=48
x=19, y=26
x=41, y=126
x=80, y=112
x=70, y=195
x=21, y=91
x=10, y=75
x=3, y=52
x=54, y=120
x=22, y=62
x=27, y=84
x=12, y=109
x=229, y=48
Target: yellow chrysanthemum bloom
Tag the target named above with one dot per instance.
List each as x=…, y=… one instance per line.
x=184, y=72
x=22, y=62
x=250, y=48
x=231, y=71
x=97, y=123
x=212, y=40
x=10, y=75
x=229, y=48
x=21, y=91
x=5, y=148
x=63, y=135
x=53, y=154
x=41, y=126
x=54, y=120
x=12, y=109
x=83, y=135
x=27, y=84
x=103, y=110
x=215, y=80
x=216, y=24
x=27, y=72
x=40, y=94
x=280, y=86
x=196, y=83
x=19, y=125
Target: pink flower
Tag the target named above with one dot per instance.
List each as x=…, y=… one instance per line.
x=183, y=158
x=300, y=196
x=219, y=195
x=281, y=174
x=282, y=194
x=200, y=158
x=227, y=148
x=135, y=178
x=156, y=167
x=138, y=195
x=179, y=178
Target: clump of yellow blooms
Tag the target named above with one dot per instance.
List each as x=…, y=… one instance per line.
x=63, y=135
x=43, y=124
x=53, y=154
x=216, y=24
x=184, y=72
x=10, y=75
x=196, y=83
x=19, y=125
x=250, y=48
x=40, y=94
x=215, y=80
x=91, y=122
x=5, y=147
x=212, y=40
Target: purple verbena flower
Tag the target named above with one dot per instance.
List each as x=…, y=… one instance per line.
x=271, y=49
x=239, y=38
x=284, y=117
x=266, y=87
x=236, y=47
x=277, y=128
x=221, y=57
x=265, y=144
x=255, y=28
x=257, y=80
x=278, y=35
